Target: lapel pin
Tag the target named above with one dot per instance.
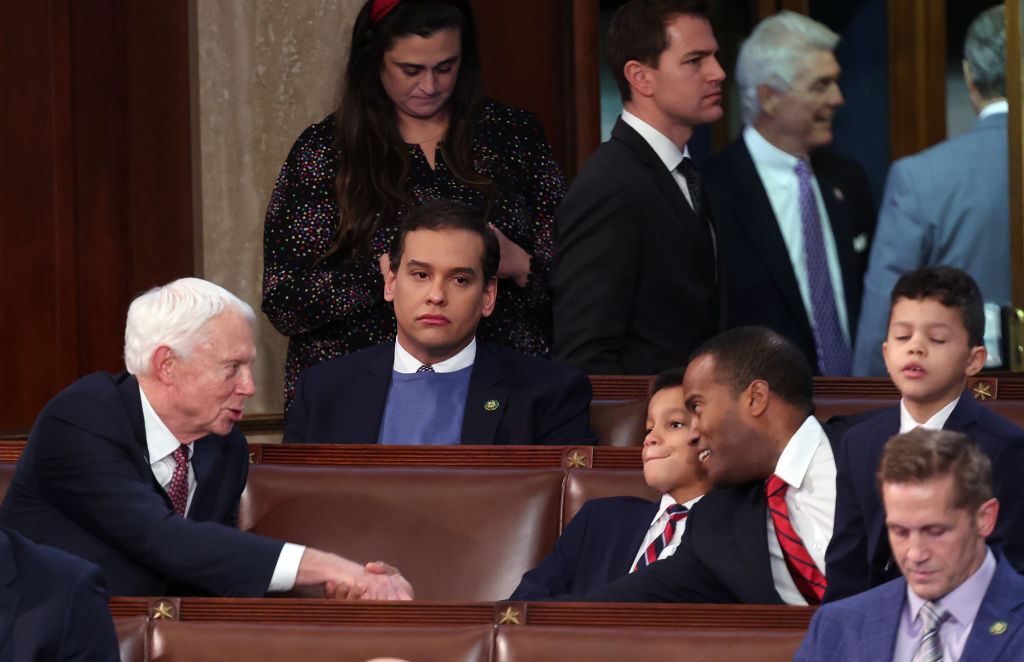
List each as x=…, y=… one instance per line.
x=860, y=243
x=838, y=194
x=998, y=627
x=491, y=405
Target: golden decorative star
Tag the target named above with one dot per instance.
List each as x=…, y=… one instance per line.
x=577, y=460
x=982, y=391
x=163, y=610
x=509, y=617
x=252, y=457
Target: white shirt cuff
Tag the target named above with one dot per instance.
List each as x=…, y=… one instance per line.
x=287, y=568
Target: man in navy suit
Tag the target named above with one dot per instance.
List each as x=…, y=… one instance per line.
x=141, y=473
x=437, y=384
x=611, y=537
x=633, y=232
x=794, y=220
x=949, y=204
x=934, y=345
x=956, y=600
x=52, y=605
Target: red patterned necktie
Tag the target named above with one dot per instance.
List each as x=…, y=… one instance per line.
x=675, y=512
x=808, y=579
x=177, y=489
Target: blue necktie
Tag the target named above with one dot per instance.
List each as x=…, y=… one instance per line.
x=833, y=352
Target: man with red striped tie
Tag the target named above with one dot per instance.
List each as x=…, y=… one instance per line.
x=760, y=536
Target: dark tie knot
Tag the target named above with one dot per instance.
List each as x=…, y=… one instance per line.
x=180, y=454
x=676, y=510
x=687, y=169
x=425, y=368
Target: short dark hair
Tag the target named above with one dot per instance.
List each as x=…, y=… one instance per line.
x=953, y=288
x=748, y=353
x=448, y=215
x=668, y=379
x=637, y=32
x=921, y=455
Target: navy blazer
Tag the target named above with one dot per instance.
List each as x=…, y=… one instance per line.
x=863, y=628
x=635, y=277
x=722, y=557
x=84, y=484
x=761, y=285
x=539, y=402
x=859, y=556
x=598, y=546
x=52, y=606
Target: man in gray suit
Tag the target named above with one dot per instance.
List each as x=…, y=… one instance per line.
x=948, y=204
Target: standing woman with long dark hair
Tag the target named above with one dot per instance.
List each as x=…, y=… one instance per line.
x=412, y=126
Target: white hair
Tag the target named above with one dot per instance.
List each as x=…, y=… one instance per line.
x=174, y=315
x=771, y=55
x=985, y=52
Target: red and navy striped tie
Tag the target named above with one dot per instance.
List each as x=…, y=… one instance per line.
x=808, y=579
x=675, y=512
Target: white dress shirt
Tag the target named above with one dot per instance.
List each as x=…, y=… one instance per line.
x=658, y=525
x=936, y=422
x=667, y=151
x=776, y=169
x=405, y=363
x=809, y=469
x=161, y=444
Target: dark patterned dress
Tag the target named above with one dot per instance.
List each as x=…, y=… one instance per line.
x=330, y=308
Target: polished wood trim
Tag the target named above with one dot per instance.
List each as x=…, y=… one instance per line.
x=585, y=120
x=1015, y=91
x=917, y=75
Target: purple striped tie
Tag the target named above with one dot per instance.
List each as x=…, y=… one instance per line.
x=833, y=351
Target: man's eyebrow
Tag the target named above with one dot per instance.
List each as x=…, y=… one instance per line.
x=417, y=263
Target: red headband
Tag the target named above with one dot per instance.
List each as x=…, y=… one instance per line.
x=381, y=8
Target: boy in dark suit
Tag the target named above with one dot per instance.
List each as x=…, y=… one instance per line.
x=934, y=345
x=613, y=536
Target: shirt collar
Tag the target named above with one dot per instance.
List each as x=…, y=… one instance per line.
x=765, y=154
x=666, y=501
x=964, y=601
x=160, y=441
x=406, y=363
x=936, y=422
x=797, y=455
x=994, y=107
x=659, y=142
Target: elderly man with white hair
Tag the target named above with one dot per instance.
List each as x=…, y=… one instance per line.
x=141, y=472
x=794, y=220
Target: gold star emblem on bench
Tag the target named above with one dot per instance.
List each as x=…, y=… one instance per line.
x=576, y=460
x=163, y=610
x=982, y=391
x=509, y=617
x=252, y=457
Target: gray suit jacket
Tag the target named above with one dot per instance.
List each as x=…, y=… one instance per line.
x=863, y=627
x=946, y=205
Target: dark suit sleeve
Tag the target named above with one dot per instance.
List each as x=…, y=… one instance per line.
x=88, y=630
x=94, y=481
x=566, y=420
x=556, y=573
x=846, y=559
x=815, y=646
x=597, y=262
x=1008, y=487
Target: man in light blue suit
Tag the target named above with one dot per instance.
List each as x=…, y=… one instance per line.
x=956, y=600
x=948, y=204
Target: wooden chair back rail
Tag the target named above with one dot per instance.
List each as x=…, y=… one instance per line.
x=313, y=611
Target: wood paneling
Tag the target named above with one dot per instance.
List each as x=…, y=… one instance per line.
x=917, y=75
x=95, y=186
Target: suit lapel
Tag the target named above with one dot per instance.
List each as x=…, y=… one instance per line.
x=369, y=396
x=486, y=400
x=883, y=621
x=753, y=211
x=8, y=592
x=842, y=223
x=964, y=414
x=749, y=529
x=1000, y=617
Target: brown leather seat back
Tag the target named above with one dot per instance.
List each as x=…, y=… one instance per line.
x=131, y=637
x=583, y=484
x=180, y=641
x=578, y=644
x=619, y=422
x=455, y=533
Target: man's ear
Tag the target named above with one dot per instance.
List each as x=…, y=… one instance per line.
x=490, y=295
x=636, y=75
x=767, y=97
x=986, y=517
x=389, y=283
x=755, y=397
x=163, y=365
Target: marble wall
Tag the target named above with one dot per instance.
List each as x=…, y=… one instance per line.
x=261, y=73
